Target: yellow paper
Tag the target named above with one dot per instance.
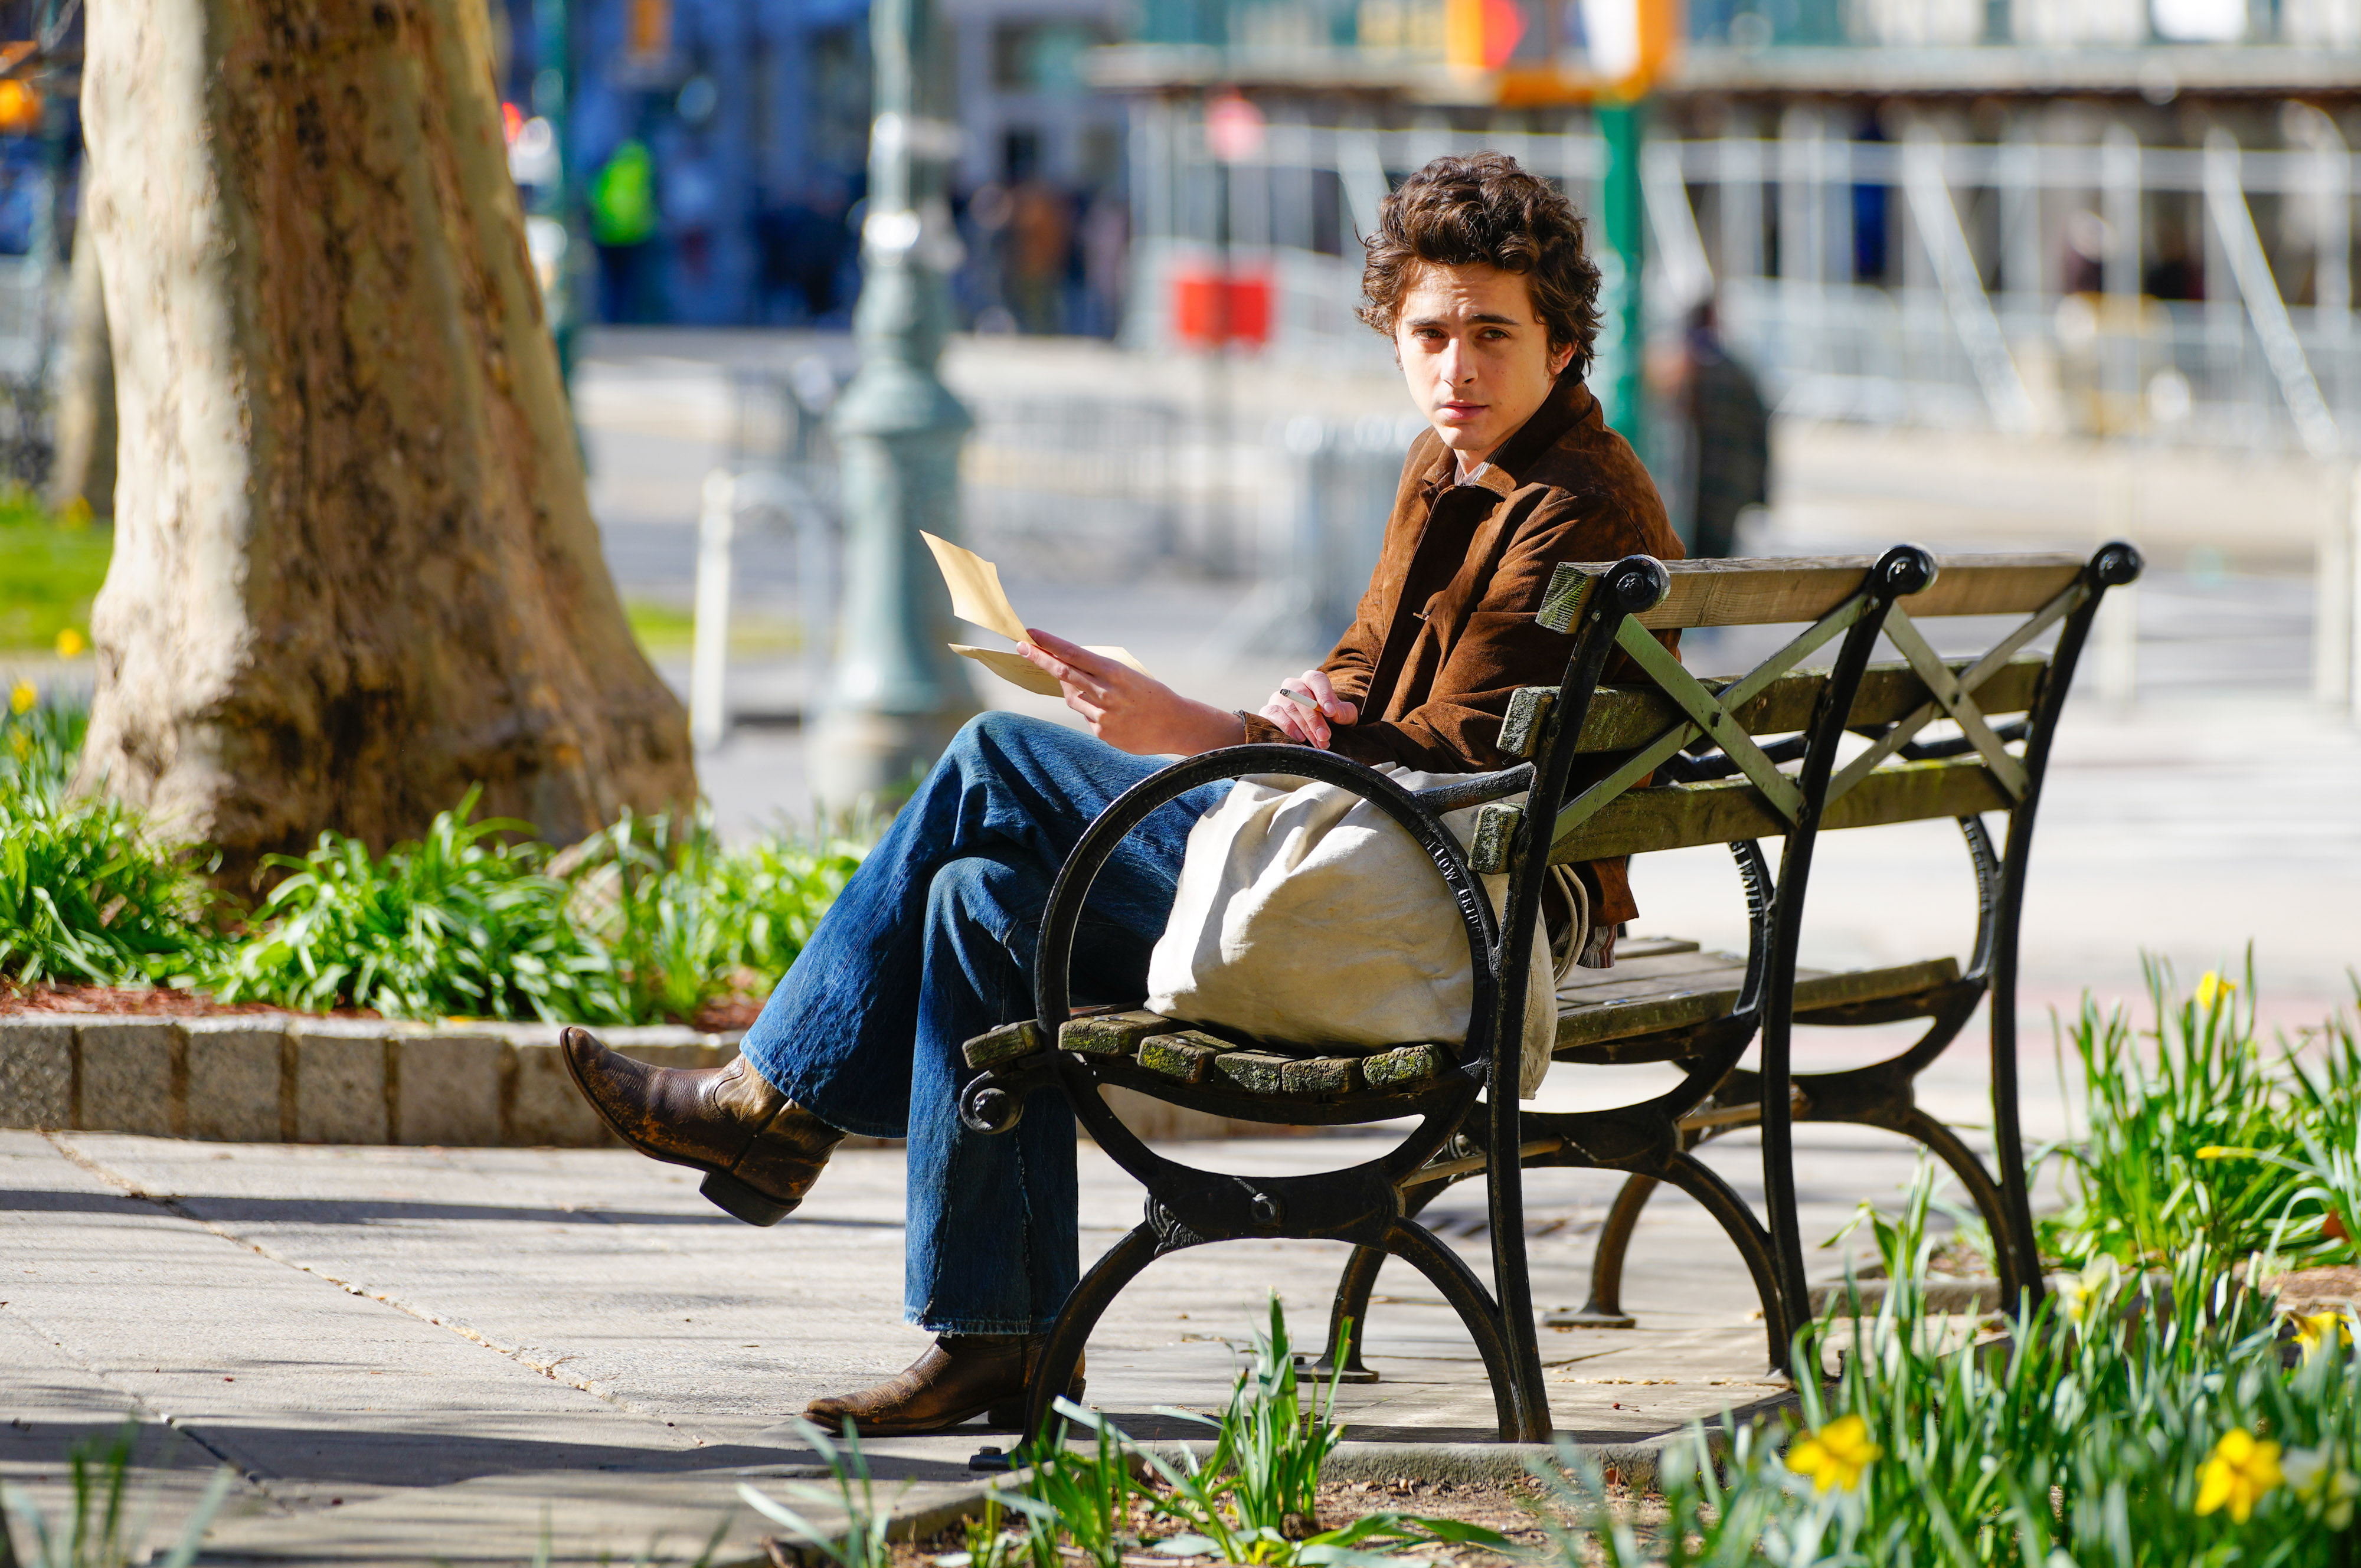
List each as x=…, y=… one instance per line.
x=1014, y=668
x=977, y=597
x=976, y=593
x=1017, y=669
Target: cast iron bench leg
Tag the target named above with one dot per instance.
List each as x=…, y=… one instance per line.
x=1350, y=1314
x=1605, y=1308
x=1520, y=1419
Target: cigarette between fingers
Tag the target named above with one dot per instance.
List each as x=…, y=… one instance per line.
x=1298, y=698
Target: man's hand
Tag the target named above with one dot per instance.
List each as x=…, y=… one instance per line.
x=1309, y=719
x=1130, y=711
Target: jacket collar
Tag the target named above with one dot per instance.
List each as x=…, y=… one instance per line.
x=1569, y=403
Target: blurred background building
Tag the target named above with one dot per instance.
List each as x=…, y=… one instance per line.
x=742, y=128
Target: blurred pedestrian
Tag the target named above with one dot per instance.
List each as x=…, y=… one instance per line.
x=623, y=227
x=1725, y=436
x=1040, y=253
x=1106, y=249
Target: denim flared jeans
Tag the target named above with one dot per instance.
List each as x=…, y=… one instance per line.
x=930, y=945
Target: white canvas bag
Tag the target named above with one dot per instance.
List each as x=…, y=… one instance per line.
x=1307, y=915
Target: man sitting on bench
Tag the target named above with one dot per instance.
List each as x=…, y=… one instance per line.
x=1479, y=275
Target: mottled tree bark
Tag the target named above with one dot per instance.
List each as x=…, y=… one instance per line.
x=84, y=470
x=355, y=569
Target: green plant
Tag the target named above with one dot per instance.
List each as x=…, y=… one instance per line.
x=686, y=919
x=40, y=741
x=863, y=1543
x=107, y=1529
x=467, y=922
x=1085, y=1497
x=2136, y=1188
x=87, y=891
x=1269, y=1448
x=2134, y=1422
x=1254, y=1499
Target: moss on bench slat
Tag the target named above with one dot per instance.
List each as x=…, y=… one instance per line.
x=1114, y=1034
x=1406, y=1064
x=1181, y=1056
x=1256, y=1072
x=1005, y=1044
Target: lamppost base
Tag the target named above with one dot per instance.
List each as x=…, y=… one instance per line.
x=859, y=754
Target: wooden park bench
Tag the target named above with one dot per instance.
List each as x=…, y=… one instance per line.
x=1668, y=762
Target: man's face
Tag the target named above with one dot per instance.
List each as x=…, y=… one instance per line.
x=1477, y=359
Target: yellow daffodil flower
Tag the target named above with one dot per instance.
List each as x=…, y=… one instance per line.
x=2317, y=1331
x=22, y=697
x=2092, y=1287
x=1835, y=1456
x=2237, y=1475
x=71, y=643
x=2211, y=989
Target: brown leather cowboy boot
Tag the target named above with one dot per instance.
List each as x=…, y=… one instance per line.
x=959, y=1377
x=760, y=1151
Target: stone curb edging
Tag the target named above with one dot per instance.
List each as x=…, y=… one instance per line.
x=281, y=1078
x=1634, y=1464
x=286, y=1077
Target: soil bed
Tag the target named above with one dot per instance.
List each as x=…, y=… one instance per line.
x=1515, y=1508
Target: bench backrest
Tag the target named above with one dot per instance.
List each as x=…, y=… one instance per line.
x=1651, y=726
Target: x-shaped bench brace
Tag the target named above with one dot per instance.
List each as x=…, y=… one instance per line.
x=1709, y=713
x=1955, y=696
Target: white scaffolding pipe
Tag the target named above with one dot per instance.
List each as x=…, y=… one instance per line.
x=1361, y=168
x=1688, y=276
x=2020, y=226
x=1737, y=165
x=2234, y=224
x=1938, y=222
x=708, y=660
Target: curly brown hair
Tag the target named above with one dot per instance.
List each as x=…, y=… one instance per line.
x=1483, y=208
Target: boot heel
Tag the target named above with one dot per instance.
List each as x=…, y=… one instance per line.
x=740, y=1201
x=1010, y=1416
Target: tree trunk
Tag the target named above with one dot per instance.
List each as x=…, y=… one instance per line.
x=355, y=570
x=85, y=461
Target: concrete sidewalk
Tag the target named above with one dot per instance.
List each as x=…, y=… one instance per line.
x=414, y=1354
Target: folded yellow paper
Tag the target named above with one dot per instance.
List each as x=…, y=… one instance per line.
x=977, y=597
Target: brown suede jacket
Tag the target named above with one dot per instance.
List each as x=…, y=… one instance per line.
x=1446, y=632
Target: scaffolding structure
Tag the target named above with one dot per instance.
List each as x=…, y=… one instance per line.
x=1976, y=323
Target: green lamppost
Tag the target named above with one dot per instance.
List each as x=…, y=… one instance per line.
x=896, y=694
x=1622, y=328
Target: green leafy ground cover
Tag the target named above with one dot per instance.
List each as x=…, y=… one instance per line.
x=649, y=921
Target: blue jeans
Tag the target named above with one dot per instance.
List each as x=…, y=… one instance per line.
x=930, y=945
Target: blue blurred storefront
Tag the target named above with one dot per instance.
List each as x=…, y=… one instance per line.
x=719, y=145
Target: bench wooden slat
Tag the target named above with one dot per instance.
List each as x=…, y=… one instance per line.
x=1653, y=947
x=1676, y=817
x=1631, y=979
x=1772, y=589
x=1681, y=1001
x=1622, y=717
